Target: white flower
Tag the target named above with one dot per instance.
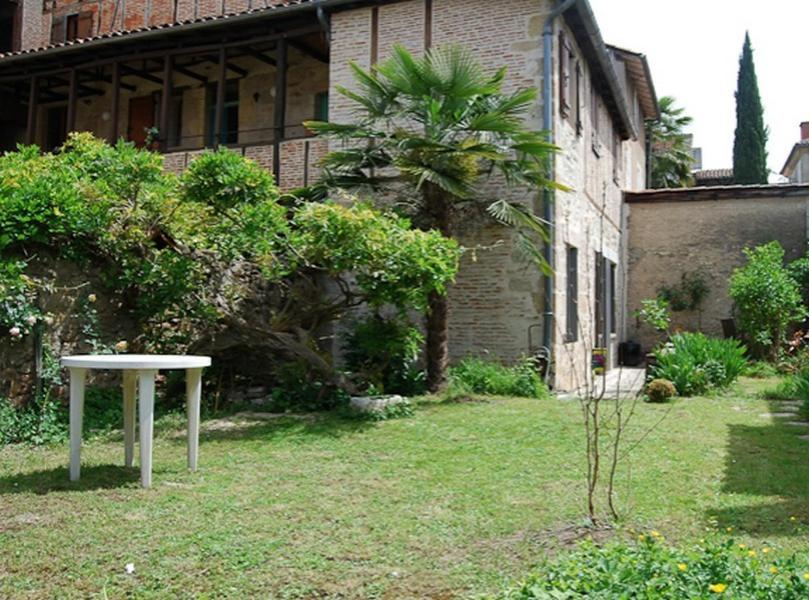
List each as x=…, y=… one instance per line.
x=121, y=346
x=129, y=568
x=91, y=298
x=15, y=332
x=49, y=320
x=32, y=320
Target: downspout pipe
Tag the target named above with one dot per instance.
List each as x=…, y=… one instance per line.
x=548, y=195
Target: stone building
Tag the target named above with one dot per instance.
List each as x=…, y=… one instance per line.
x=796, y=167
x=184, y=75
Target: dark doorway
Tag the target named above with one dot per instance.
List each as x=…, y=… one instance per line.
x=56, y=127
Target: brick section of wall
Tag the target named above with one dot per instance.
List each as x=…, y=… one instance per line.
x=263, y=155
x=350, y=41
x=667, y=239
x=161, y=12
x=186, y=10
x=401, y=24
x=175, y=162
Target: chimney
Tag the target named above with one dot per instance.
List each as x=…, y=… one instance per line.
x=805, y=130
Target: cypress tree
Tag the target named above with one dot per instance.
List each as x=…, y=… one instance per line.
x=750, y=144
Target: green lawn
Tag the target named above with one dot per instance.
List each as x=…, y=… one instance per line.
x=453, y=502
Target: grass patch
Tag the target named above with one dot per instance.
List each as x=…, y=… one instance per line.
x=452, y=502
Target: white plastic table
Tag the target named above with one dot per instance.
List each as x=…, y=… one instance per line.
x=139, y=372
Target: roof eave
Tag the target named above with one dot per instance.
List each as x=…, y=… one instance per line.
x=604, y=63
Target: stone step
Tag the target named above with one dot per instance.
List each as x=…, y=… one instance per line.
x=778, y=415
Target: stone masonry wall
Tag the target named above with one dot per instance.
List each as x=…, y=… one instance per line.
x=672, y=235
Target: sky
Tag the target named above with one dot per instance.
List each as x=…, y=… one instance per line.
x=693, y=48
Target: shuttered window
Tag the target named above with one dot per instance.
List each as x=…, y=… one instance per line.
x=564, y=76
x=572, y=303
x=72, y=27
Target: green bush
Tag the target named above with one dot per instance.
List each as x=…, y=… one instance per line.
x=760, y=370
x=660, y=390
x=477, y=376
x=767, y=299
x=382, y=353
x=652, y=570
x=297, y=388
x=695, y=363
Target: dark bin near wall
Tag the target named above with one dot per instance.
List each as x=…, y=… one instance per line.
x=629, y=354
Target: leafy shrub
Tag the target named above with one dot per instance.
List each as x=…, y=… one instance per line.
x=767, y=298
x=382, y=354
x=760, y=370
x=696, y=363
x=477, y=376
x=651, y=569
x=41, y=422
x=297, y=388
x=660, y=390
x=655, y=313
x=213, y=254
x=688, y=294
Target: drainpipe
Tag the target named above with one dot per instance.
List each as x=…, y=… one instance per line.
x=548, y=195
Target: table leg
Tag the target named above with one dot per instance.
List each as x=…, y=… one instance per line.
x=146, y=410
x=193, y=388
x=77, y=379
x=130, y=385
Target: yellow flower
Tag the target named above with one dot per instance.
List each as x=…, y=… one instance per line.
x=806, y=575
x=765, y=550
x=718, y=588
x=751, y=553
x=742, y=546
x=730, y=530
x=641, y=537
x=793, y=518
x=773, y=569
x=655, y=533
x=682, y=566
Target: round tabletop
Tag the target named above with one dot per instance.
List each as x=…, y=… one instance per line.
x=136, y=361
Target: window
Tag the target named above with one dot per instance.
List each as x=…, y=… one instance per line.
x=72, y=27
x=322, y=106
x=613, y=297
x=564, y=76
x=572, y=325
x=595, y=107
x=600, y=301
x=229, y=129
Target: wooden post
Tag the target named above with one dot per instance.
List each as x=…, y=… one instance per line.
x=280, y=107
x=116, y=101
x=165, y=102
x=220, y=98
x=71, y=100
x=33, y=98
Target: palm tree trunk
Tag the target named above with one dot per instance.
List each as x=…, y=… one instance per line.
x=437, y=207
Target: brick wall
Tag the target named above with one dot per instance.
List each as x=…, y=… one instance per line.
x=497, y=298
x=691, y=231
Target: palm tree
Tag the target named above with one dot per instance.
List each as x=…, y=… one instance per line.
x=429, y=132
x=671, y=151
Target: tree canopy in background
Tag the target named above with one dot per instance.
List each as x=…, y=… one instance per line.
x=671, y=160
x=750, y=143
